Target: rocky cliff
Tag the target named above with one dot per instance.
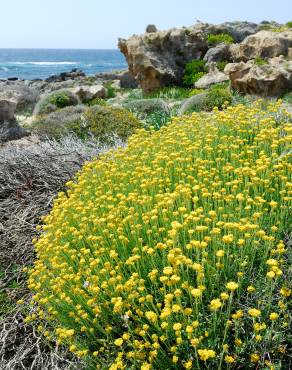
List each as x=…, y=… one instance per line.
x=158, y=58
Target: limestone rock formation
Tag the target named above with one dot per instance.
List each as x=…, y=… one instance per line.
x=9, y=128
x=271, y=79
x=158, y=59
x=264, y=44
x=64, y=76
x=239, y=30
x=86, y=93
x=214, y=76
x=25, y=97
x=124, y=76
x=151, y=28
x=218, y=53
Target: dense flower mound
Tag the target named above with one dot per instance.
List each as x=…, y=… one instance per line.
x=170, y=253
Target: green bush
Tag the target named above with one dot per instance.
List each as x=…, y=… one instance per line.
x=260, y=61
x=107, y=123
x=60, y=100
x=196, y=92
x=194, y=70
x=111, y=92
x=96, y=101
x=221, y=65
x=55, y=100
x=217, y=96
x=289, y=24
x=60, y=123
x=219, y=38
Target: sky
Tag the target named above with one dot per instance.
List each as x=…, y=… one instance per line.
x=97, y=24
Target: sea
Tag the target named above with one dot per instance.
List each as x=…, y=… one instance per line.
x=30, y=64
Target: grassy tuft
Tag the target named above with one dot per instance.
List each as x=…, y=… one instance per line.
x=220, y=38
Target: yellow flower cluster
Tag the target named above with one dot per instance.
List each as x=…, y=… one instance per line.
x=168, y=253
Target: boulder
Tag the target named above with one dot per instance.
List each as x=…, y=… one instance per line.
x=9, y=128
x=193, y=103
x=158, y=59
x=147, y=106
x=217, y=53
x=271, y=79
x=126, y=79
x=239, y=30
x=264, y=44
x=24, y=96
x=72, y=75
x=7, y=110
x=214, y=76
x=269, y=25
x=89, y=92
x=151, y=28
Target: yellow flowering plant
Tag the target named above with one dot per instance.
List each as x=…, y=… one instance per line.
x=157, y=255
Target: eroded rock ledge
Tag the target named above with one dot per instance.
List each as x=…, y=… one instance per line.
x=158, y=58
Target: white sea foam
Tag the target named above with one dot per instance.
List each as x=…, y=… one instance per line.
x=44, y=63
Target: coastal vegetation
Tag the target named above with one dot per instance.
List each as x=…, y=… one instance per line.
x=99, y=121
x=170, y=253
x=193, y=71
x=220, y=38
x=54, y=101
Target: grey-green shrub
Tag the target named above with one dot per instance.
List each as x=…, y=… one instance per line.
x=60, y=123
x=144, y=107
x=55, y=100
x=104, y=123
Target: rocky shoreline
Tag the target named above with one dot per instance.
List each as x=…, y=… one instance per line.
x=254, y=59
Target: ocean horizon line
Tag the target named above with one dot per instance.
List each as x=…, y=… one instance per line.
x=77, y=49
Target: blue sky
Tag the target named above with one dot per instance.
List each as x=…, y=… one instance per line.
x=97, y=24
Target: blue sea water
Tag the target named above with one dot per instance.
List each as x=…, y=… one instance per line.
x=29, y=64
